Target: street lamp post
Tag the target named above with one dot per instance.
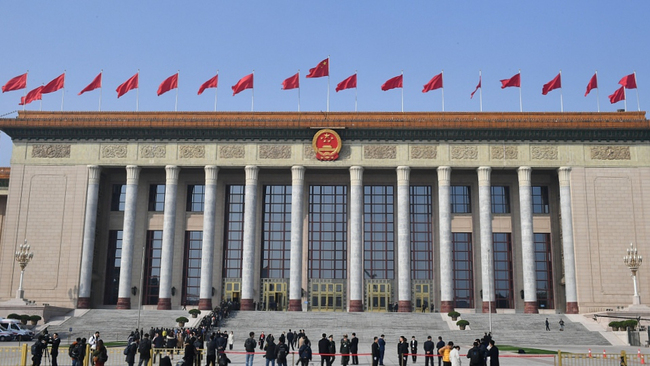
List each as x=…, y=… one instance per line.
x=633, y=261
x=23, y=256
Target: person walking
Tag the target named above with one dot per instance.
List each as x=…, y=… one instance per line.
x=402, y=351
x=428, y=351
x=281, y=352
x=382, y=349
x=145, y=350
x=375, y=352
x=548, y=328
x=249, y=346
x=305, y=352
x=262, y=338
x=561, y=325
x=100, y=355
x=131, y=351
x=270, y=351
x=332, y=349
x=414, y=348
x=345, y=350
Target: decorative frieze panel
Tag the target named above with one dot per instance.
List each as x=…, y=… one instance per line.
x=428, y=152
x=381, y=152
x=464, y=152
x=275, y=151
x=544, y=153
x=51, y=151
x=113, y=151
x=153, y=151
x=191, y=151
x=504, y=152
x=610, y=153
x=232, y=152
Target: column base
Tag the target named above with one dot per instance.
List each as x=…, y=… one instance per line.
x=164, y=303
x=530, y=307
x=487, y=305
x=404, y=306
x=123, y=303
x=205, y=304
x=247, y=305
x=83, y=303
x=446, y=306
x=356, y=306
x=572, y=308
x=295, y=305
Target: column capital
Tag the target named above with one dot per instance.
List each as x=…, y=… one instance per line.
x=444, y=175
x=251, y=174
x=524, y=174
x=356, y=175
x=403, y=173
x=211, y=174
x=132, y=174
x=297, y=174
x=94, y=173
x=564, y=175
x=172, y=174
x=484, y=175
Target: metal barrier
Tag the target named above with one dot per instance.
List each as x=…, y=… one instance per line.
x=605, y=359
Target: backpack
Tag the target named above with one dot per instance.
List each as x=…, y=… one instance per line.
x=307, y=352
x=34, y=349
x=126, y=349
x=249, y=345
x=103, y=356
x=474, y=356
x=73, y=351
x=282, y=354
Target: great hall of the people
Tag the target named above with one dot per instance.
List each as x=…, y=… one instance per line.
x=505, y=212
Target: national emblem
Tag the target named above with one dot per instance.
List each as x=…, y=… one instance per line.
x=326, y=144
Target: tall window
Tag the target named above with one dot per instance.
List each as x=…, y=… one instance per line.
x=421, y=252
x=157, y=197
x=544, y=271
x=152, y=267
x=463, y=270
x=234, y=231
x=540, y=200
x=500, y=199
x=113, y=258
x=503, y=290
x=276, y=235
x=192, y=267
x=378, y=233
x=195, y=198
x=118, y=197
x=328, y=231
x=460, y=200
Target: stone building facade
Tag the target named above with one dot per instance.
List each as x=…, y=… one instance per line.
x=508, y=212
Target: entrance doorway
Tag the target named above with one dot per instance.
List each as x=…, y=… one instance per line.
x=378, y=296
x=274, y=296
x=232, y=291
x=422, y=297
x=327, y=296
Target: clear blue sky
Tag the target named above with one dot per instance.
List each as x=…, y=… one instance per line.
x=276, y=38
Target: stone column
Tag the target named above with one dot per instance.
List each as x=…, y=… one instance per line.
x=403, y=239
x=446, y=248
x=356, y=239
x=207, y=245
x=169, y=231
x=128, y=234
x=250, y=227
x=564, y=174
x=527, y=242
x=485, y=221
x=297, y=212
x=88, y=248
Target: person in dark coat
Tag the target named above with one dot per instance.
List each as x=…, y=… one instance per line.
x=402, y=351
x=131, y=351
x=145, y=350
x=270, y=348
x=414, y=348
x=428, y=351
x=439, y=346
x=324, y=350
x=382, y=349
x=375, y=352
x=332, y=349
x=281, y=353
x=354, y=349
x=493, y=354
x=345, y=350
x=211, y=352
x=305, y=352
x=190, y=352
x=54, y=352
x=290, y=339
x=475, y=356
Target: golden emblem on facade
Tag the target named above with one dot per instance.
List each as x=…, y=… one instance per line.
x=326, y=144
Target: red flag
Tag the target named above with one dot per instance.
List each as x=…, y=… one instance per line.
x=96, y=83
x=477, y=87
x=31, y=96
x=629, y=81
x=348, y=83
x=433, y=84
x=212, y=83
x=292, y=82
x=553, y=84
x=618, y=95
x=244, y=83
x=593, y=84
x=169, y=84
x=392, y=83
x=322, y=69
x=130, y=84
x=513, y=81
x=17, y=83
x=54, y=85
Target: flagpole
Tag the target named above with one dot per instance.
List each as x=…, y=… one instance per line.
x=25, y=96
x=328, y=83
x=480, y=92
x=40, y=104
x=442, y=74
x=597, y=93
x=215, y=93
x=356, y=92
x=638, y=105
x=178, y=73
x=299, y=89
x=561, y=97
x=253, y=92
x=100, y=90
x=624, y=99
x=402, y=91
x=137, y=93
x=63, y=92
x=521, y=106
